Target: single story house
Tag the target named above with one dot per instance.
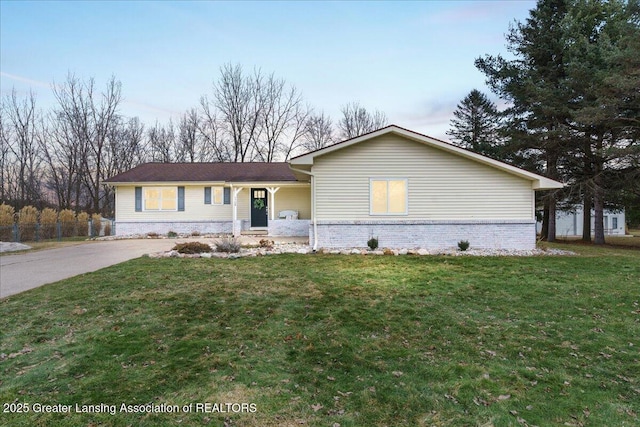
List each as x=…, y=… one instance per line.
x=569, y=222
x=404, y=188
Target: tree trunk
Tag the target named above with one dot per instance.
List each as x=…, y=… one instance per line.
x=598, y=208
x=552, y=172
x=551, y=232
x=598, y=194
x=545, y=220
x=586, y=218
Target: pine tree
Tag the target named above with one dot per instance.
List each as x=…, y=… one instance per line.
x=534, y=84
x=573, y=86
x=476, y=126
x=602, y=53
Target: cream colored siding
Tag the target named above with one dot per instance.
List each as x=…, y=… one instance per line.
x=194, y=207
x=441, y=185
x=244, y=197
x=287, y=198
x=295, y=199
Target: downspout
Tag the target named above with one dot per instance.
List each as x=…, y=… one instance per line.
x=234, y=211
x=313, y=206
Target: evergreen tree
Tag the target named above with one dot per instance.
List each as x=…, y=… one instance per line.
x=602, y=53
x=534, y=84
x=476, y=126
x=574, y=86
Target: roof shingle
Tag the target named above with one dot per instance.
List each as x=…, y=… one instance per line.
x=195, y=172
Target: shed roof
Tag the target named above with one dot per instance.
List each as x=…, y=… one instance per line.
x=206, y=172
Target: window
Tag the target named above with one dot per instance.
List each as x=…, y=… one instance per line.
x=388, y=196
x=614, y=222
x=217, y=195
x=160, y=198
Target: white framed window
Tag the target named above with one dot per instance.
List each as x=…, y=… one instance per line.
x=217, y=195
x=160, y=198
x=388, y=196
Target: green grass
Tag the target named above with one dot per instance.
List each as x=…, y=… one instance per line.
x=318, y=339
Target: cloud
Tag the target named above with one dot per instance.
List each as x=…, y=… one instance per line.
x=430, y=113
x=27, y=80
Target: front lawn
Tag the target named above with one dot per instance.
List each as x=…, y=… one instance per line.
x=323, y=340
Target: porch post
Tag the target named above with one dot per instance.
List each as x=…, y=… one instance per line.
x=272, y=191
x=234, y=200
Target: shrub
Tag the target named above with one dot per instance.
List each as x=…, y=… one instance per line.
x=83, y=224
x=96, y=224
x=463, y=245
x=195, y=233
x=192, y=248
x=388, y=251
x=172, y=234
x=6, y=222
x=107, y=228
x=266, y=243
x=27, y=221
x=228, y=244
x=67, y=220
x=48, y=220
x=373, y=243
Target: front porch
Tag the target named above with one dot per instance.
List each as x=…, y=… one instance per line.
x=264, y=209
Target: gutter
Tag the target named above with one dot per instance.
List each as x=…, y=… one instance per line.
x=313, y=205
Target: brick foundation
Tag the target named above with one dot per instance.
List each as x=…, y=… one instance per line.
x=160, y=227
x=286, y=227
x=485, y=234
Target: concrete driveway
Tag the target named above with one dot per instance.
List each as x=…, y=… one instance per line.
x=21, y=272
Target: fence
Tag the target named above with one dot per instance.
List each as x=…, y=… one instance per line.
x=37, y=232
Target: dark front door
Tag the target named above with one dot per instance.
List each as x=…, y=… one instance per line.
x=259, y=208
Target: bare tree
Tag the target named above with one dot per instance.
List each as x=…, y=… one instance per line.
x=4, y=156
x=252, y=117
x=91, y=117
x=356, y=120
x=318, y=132
x=188, y=147
x=240, y=101
x=62, y=153
x=162, y=142
x=282, y=120
x=211, y=130
x=22, y=159
x=126, y=146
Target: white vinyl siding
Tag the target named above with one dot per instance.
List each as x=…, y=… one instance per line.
x=441, y=185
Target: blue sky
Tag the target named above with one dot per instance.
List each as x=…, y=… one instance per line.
x=411, y=60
